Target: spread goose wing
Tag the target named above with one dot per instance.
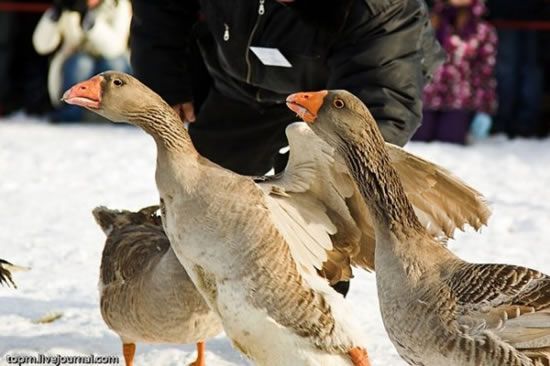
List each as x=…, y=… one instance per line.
x=511, y=301
x=442, y=201
x=317, y=206
x=309, y=205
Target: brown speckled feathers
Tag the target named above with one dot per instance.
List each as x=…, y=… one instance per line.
x=438, y=309
x=134, y=238
x=145, y=293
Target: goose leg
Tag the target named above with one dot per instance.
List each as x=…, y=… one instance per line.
x=129, y=350
x=359, y=357
x=200, y=355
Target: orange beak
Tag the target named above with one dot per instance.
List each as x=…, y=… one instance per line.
x=307, y=104
x=85, y=94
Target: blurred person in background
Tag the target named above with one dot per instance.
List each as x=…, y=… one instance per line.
x=257, y=52
x=545, y=40
x=518, y=71
x=462, y=94
x=88, y=37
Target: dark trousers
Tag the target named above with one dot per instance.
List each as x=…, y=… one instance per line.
x=447, y=126
x=519, y=78
x=244, y=138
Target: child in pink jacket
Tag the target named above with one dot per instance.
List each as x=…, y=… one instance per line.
x=463, y=90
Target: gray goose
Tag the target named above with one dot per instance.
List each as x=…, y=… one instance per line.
x=255, y=251
x=145, y=294
x=6, y=269
x=437, y=309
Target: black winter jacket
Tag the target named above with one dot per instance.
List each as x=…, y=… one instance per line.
x=381, y=50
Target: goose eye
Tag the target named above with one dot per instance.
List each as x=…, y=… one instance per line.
x=339, y=103
x=117, y=82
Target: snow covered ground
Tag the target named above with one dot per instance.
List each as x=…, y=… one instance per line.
x=51, y=177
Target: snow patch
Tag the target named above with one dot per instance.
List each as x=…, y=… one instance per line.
x=52, y=176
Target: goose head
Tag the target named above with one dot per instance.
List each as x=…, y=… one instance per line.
x=337, y=116
x=110, y=220
x=342, y=120
x=114, y=95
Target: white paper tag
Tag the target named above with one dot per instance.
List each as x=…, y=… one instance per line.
x=270, y=56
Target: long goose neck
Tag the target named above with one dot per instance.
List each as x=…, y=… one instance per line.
x=177, y=158
x=379, y=183
x=164, y=125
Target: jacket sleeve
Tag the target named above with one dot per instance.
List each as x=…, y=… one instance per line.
x=46, y=36
x=114, y=27
x=160, y=44
x=385, y=55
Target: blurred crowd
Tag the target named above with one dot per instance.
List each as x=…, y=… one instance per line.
x=496, y=78
x=493, y=80
x=43, y=53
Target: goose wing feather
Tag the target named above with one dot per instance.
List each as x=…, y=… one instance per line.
x=441, y=200
x=511, y=301
x=319, y=210
x=128, y=252
x=309, y=206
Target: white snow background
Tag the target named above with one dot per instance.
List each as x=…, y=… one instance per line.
x=51, y=177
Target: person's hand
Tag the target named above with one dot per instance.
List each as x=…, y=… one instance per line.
x=186, y=111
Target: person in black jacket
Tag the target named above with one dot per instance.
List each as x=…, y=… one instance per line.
x=259, y=51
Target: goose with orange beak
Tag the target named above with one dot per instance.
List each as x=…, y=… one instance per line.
x=437, y=308
x=262, y=254
x=255, y=251
x=145, y=294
